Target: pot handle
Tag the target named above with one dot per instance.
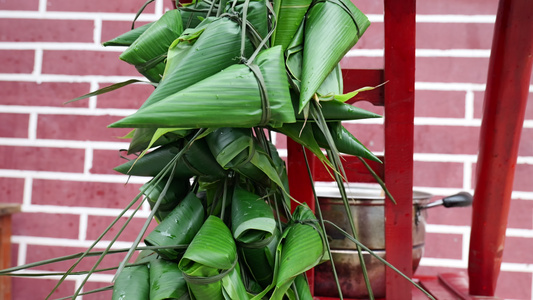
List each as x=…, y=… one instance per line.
x=461, y=199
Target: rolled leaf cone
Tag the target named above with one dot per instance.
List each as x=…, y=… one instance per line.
x=211, y=256
x=230, y=98
x=254, y=228
x=303, y=134
x=148, y=51
x=332, y=28
x=300, y=249
x=132, y=283
x=236, y=149
x=177, y=190
x=215, y=44
x=178, y=228
x=344, y=141
x=197, y=161
x=126, y=39
x=166, y=281
x=331, y=86
x=290, y=15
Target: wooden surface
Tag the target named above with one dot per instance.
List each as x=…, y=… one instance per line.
x=6, y=209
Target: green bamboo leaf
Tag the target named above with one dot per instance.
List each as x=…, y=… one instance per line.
x=106, y=89
x=303, y=135
x=332, y=28
x=230, y=98
x=254, y=229
x=211, y=256
x=290, y=15
x=257, y=14
x=147, y=51
x=132, y=283
x=177, y=191
x=331, y=86
x=166, y=281
x=214, y=44
x=178, y=228
x=193, y=13
x=197, y=161
x=301, y=248
x=301, y=288
x=158, y=135
x=350, y=95
x=344, y=141
x=142, y=138
x=126, y=39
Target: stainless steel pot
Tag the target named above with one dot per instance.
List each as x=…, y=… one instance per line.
x=367, y=208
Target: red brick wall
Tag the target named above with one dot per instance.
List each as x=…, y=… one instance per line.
x=56, y=159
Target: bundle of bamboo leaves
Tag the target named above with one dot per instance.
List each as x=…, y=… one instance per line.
x=227, y=73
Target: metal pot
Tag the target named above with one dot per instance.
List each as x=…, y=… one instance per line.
x=368, y=211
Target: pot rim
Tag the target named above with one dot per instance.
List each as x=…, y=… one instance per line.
x=361, y=191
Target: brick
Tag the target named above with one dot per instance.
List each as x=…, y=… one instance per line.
x=85, y=194
x=16, y=61
x=362, y=62
x=373, y=38
x=42, y=94
x=105, y=160
x=112, y=29
x=476, y=7
x=74, y=127
x=14, y=254
x=36, y=30
x=522, y=178
x=514, y=285
x=131, y=96
x=85, y=63
x=454, y=35
x=438, y=174
x=439, y=104
x=478, y=106
x=19, y=5
x=451, y=69
x=11, y=189
x=119, y=6
x=369, y=7
x=97, y=224
x=433, y=271
x=446, y=139
x=38, y=288
x=42, y=159
x=518, y=250
x=14, y=125
x=38, y=252
x=443, y=245
x=38, y=224
x=458, y=216
x=522, y=214
x=370, y=135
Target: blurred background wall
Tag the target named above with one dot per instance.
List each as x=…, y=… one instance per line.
x=56, y=160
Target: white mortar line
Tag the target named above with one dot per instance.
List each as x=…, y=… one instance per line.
x=42, y=6
x=465, y=250
x=441, y=157
x=455, y=229
x=22, y=251
x=443, y=262
x=519, y=232
x=88, y=163
x=468, y=53
x=65, y=176
x=450, y=18
x=82, y=233
x=447, y=122
x=47, y=241
x=53, y=110
x=97, y=31
x=159, y=8
x=94, y=46
x=63, y=144
x=27, y=192
x=32, y=126
x=89, y=211
x=71, y=15
x=66, y=78
x=93, y=100
x=516, y=267
x=449, y=86
x=37, y=62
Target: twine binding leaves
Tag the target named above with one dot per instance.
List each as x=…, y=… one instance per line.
x=212, y=279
